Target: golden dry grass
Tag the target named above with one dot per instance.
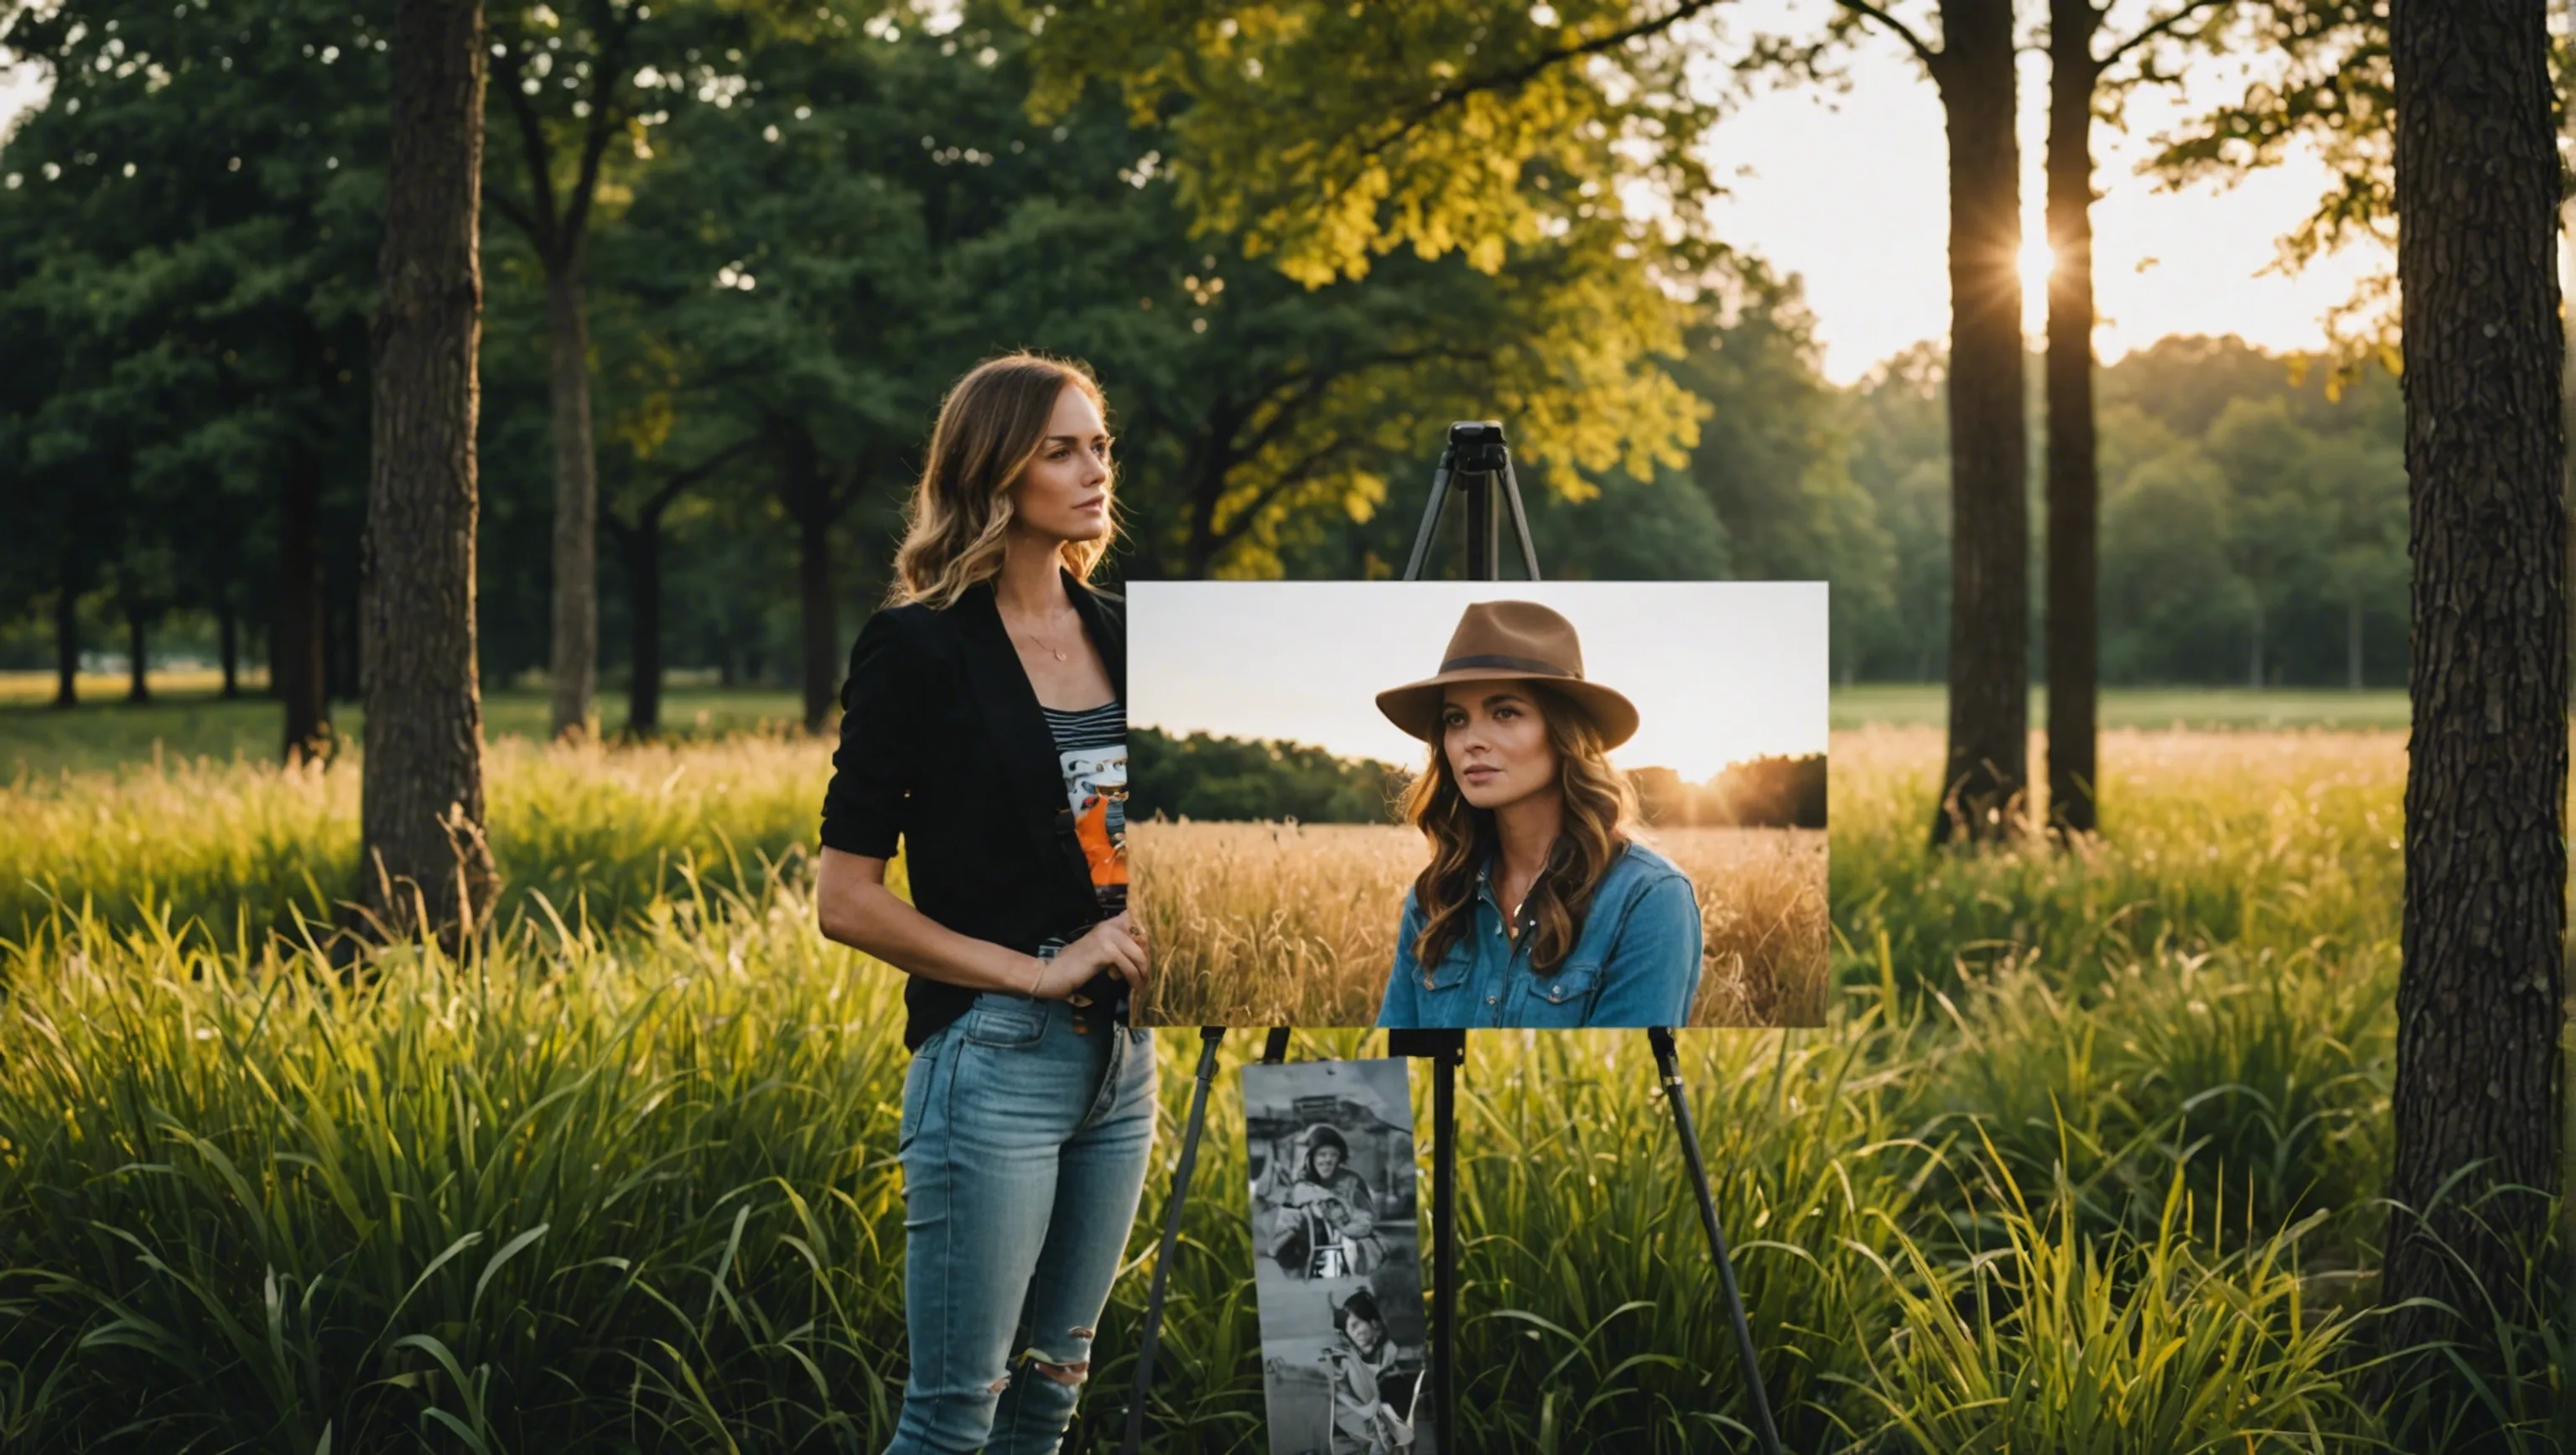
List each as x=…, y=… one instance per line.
x=1294, y=925
x=37, y=687
x=596, y=828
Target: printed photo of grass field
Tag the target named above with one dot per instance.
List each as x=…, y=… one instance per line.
x=1294, y=924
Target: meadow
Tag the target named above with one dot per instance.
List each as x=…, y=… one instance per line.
x=188, y=719
x=2083, y=1157
x=1258, y=924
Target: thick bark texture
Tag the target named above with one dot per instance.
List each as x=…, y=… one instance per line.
x=2480, y=993
x=426, y=864
x=1987, y=765
x=296, y=649
x=574, y=663
x=2074, y=482
x=67, y=643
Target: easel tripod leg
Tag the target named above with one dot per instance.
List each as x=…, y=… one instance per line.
x=1444, y=1253
x=1147, y=1346
x=1668, y=1069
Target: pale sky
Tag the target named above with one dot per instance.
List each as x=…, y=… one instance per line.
x=1847, y=190
x=1719, y=670
x=1850, y=191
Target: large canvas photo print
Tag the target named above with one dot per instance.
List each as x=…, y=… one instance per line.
x=1450, y=804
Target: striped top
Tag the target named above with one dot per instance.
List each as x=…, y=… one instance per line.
x=1104, y=726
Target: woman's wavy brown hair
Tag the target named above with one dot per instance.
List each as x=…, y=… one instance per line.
x=1599, y=808
x=990, y=427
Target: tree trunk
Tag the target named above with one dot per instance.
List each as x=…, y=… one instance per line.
x=228, y=647
x=1199, y=547
x=2254, y=664
x=574, y=663
x=2352, y=644
x=806, y=490
x=2479, y=1007
x=138, y=684
x=1987, y=765
x=820, y=618
x=643, y=546
x=67, y=643
x=295, y=666
x=427, y=865
x=2074, y=485
x=343, y=675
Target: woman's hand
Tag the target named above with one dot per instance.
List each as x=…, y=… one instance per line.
x=1115, y=944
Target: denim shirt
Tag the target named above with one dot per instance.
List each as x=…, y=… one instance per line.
x=1636, y=961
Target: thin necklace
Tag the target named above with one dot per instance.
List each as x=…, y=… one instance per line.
x=1041, y=641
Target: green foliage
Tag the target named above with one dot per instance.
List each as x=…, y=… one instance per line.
x=1200, y=776
x=1333, y=135
x=1773, y=791
x=2253, y=521
x=188, y=231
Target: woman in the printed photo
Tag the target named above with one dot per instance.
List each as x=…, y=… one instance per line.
x=1322, y=1206
x=984, y=734
x=1539, y=906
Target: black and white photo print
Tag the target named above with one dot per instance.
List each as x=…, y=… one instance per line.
x=1337, y=1255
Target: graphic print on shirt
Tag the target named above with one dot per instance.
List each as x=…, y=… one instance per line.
x=1096, y=782
x=1091, y=752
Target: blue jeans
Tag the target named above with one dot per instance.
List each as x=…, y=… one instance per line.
x=1023, y=1147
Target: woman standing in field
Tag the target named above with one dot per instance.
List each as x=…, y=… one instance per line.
x=1539, y=907
x=984, y=727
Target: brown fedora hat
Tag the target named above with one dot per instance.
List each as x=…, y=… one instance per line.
x=1508, y=641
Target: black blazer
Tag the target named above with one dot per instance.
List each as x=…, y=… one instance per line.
x=943, y=748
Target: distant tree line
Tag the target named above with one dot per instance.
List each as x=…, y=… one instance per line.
x=1774, y=791
x=2253, y=521
x=1202, y=776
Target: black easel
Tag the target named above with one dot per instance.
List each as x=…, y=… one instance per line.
x=1474, y=462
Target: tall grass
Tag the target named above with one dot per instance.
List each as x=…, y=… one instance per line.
x=621, y=1178
x=2119, y=1344
x=230, y=844
x=1291, y=924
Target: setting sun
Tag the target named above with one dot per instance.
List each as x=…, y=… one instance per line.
x=2035, y=260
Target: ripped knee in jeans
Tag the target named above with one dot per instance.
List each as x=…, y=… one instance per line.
x=1067, y=1372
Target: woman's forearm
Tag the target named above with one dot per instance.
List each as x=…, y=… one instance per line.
x=873, y=919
